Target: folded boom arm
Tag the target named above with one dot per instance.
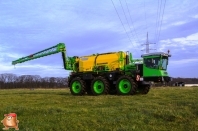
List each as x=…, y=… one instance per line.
x=49, y=51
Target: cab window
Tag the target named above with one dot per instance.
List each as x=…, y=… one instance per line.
x=152, y=62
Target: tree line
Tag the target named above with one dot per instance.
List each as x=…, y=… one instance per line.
x=178, y=80
x=11, y=81
x=185, y=80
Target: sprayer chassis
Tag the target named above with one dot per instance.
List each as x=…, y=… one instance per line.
x=112, y=82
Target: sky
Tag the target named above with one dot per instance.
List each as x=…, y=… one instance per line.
x=97, y=26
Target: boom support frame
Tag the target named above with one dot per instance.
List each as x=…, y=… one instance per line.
x=67, y=61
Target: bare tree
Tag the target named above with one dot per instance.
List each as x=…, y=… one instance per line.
x=31, y=81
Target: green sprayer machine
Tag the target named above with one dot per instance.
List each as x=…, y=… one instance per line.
x=109, y=73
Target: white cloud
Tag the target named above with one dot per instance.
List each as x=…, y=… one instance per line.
x=183, y=61
x=187, y=41
x=179, y=43
x=13, y=55
x=4, y=67
x=179, y=23
x=195, y=16
x=192, y=37
x=37, y=69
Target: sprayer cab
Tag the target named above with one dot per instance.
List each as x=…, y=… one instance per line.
x=155, y=66
x=157, y=60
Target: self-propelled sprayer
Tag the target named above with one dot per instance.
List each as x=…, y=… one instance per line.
x=109, y=73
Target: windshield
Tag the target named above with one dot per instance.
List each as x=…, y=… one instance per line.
x=164, y=62
x=156, y=62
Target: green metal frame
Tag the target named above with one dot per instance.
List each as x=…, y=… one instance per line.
x=49, y=51
x=68, y=62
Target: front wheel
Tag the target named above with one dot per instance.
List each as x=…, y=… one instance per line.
x=77, y=86
x=125, y=86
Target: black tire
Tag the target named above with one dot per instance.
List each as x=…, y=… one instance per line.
x=125, y=85
x=99, y=86
x=135, y=88
x=77, y=86
x=146, y=89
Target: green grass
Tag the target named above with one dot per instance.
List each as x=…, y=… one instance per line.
x=162, y=109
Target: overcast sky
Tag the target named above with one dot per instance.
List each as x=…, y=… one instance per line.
x=97, y=26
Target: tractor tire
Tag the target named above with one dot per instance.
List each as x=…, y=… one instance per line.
x=146, y=89
x=135, y=88
x=77, y=86
x=125, y=85
x=143, y=89
x=99, y=86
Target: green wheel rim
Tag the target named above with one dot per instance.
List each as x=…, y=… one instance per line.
x=76, y=87
x=98, y=87
x=125, y=86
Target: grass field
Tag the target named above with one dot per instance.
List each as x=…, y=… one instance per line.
x=162, y=109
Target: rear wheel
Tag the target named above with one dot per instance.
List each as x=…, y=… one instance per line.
x=99, y=86
x=77, y=86
x=125, y=86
